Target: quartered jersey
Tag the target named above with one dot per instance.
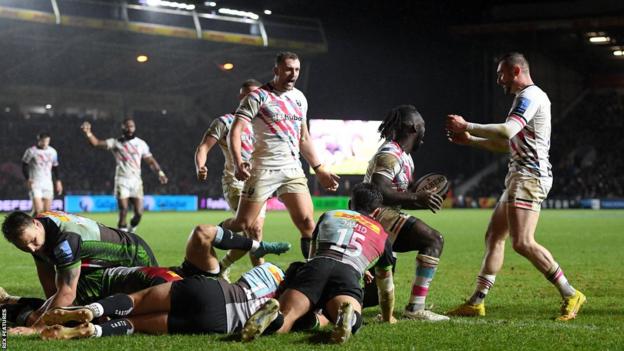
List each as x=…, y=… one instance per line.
x=72, y=241
x=351, y=238
x=249, y=293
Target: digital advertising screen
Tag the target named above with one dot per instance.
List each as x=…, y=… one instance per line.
x=345, y=146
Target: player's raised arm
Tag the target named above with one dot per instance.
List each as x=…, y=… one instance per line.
x=154, y=166
x=93, y=140
x=328, y=180
x=201, y=155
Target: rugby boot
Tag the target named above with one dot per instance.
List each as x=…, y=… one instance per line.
x=259, y=321
x=571, y=306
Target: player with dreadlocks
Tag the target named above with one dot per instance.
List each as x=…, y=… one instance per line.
x=392, y=169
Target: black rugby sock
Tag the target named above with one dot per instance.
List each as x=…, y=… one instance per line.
x=115, y=327
x=225, y=239
x=135, y=221
x=275, y=325
x=114, y=305
x=305, y=247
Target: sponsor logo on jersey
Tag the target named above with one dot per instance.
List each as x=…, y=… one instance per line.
x=63, y=252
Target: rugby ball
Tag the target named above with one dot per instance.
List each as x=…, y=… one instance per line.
x=432, y=182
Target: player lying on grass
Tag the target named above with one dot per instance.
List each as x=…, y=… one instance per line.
x=194, y=305
x=345, y=243
x=88, y=269
x=71, y=253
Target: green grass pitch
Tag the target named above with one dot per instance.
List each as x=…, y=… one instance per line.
x=589, y=245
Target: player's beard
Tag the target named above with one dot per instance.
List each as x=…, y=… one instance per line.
x=128, y=136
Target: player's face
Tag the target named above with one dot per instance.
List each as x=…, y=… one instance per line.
x=286, y=74
x=43, y=142
x=32, y=238
x=128, y=128
x=246, y=90
x=417, y=132
x=505, y=77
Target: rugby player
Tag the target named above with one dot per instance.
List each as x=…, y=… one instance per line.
x=277, y=112
x=525, y=134
x=128, y=150
x=217, y=133
x=392, y=170
x=194, y=305
x=345, y=244
x=40, y=168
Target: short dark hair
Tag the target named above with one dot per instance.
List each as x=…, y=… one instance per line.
x=285, y=55
x=251, y=83
x=366, y=197
x=515, y=58
x=43, y=135
x=14, y=225
x=393, y=124
x=127, y=119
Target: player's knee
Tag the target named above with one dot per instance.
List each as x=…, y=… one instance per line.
x=203, y=234
x=306, y=225
x=434, y=243
x=523, y=247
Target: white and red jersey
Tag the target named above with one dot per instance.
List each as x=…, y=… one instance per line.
x=529, y=147
x=392, y=162
x=40, y=163
x=219, y=129
x=128, y=154
x=277, y=118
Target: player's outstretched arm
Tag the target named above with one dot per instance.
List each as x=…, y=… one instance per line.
x=154, y=166
x=92, y=139
x=493, y=131
x=328, y=180
x=465, y=138
x=201, y=155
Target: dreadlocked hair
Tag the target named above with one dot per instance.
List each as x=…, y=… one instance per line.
x=394, y=121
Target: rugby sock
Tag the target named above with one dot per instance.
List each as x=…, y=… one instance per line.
x=308, y=321
x=225, y=239
x=555, y=275
x=114, y=305
x=425, y=269
x=484, y=284
x=113, y=327
x=357, y=322
x=275, y=325
x=305, y=247
x=134, y=222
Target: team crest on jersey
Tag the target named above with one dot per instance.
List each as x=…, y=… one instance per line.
x=298, y=102
x=521, y=107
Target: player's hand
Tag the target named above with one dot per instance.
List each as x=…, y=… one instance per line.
x=243, y=171
x=86, y=127
x=58, y=187
x=328, y=180
x=458, y=138
x=430, y=200
x=162, y=178
x=29, y=184
x=23, y=331
x=368, y=277
x=456, y=124
x=202, y=173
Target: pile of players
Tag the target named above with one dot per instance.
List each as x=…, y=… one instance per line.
x=108, y=280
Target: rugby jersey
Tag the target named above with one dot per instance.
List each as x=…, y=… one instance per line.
x=128, y=154
x=40, y=162
x=219, y=129
x=529, y=148
x=72, y=241
x=392, y=162
x=353, y=239
x=249, y=293
x=276, y=118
